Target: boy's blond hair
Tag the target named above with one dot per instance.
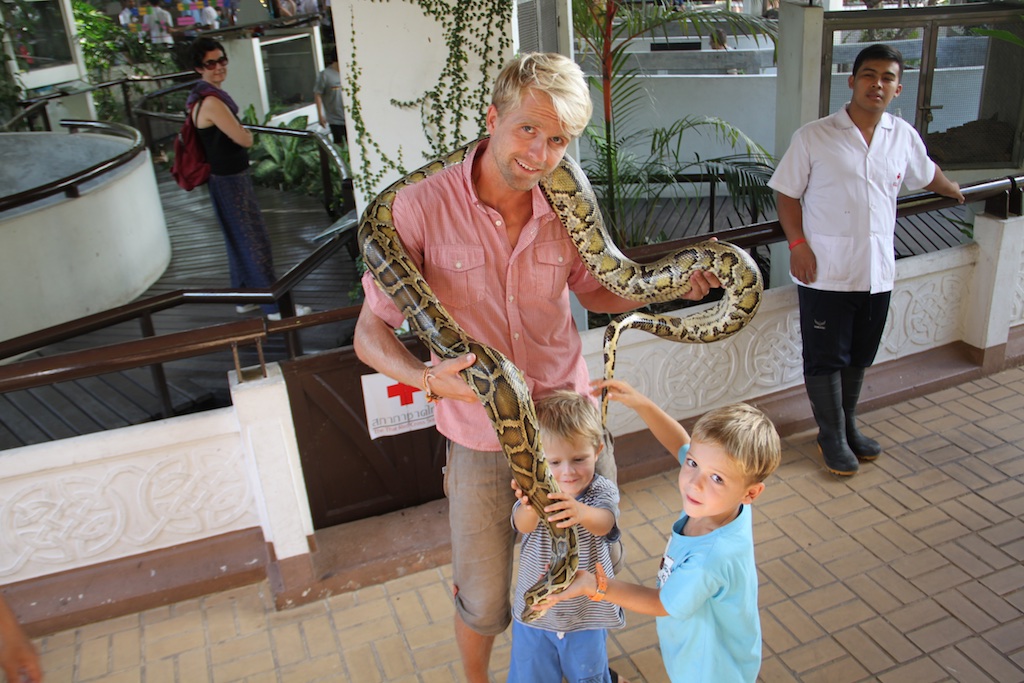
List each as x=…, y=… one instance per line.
x=746, y=434
x=571, y=416
x=551, y=73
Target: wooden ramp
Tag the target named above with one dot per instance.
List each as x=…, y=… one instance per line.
x=199, y=261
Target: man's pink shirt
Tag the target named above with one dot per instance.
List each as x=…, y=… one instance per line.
x=461, y=247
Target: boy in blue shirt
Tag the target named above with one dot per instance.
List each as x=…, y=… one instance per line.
x=569, y=640
x=706, y=595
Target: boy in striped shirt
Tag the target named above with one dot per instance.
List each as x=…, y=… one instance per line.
x=570, y=639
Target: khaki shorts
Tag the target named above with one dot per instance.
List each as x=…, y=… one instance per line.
x=480, y=497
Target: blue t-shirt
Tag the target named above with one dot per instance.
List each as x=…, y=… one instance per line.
x=708, y=587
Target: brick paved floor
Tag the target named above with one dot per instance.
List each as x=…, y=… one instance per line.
x=910, y=572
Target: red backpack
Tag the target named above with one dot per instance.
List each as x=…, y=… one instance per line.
x=189, y=169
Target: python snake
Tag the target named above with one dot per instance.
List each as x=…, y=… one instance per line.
x=498, y=383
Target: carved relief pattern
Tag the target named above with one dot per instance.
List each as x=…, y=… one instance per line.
x=923, y=314
x=688, y=379
x=122, y=506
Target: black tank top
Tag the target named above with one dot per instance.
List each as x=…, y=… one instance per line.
x=225, y=156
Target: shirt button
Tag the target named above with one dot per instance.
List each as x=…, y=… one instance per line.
x=516, y=336
x=560, y=259
x=511, y=297
x=458, y=264
x=498, y=223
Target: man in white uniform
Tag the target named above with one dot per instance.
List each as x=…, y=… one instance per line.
x=837, y=186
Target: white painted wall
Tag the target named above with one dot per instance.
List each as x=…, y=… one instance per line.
x=395, y=53
x=66, y=258
x=671, y=98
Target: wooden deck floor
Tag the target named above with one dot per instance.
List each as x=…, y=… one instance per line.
x=199, y=261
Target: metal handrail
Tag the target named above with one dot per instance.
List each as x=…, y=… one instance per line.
x=26, y=114
x=37, y=372
x=277, y=292
x=1002, y=196
x=69, y=184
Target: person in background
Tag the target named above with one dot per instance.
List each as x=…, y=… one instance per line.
x=209, y=19
x=836, y=189
x=18, y=657
x=129, y=13
x=159, y=25
x=225, y=142
x=327, y=93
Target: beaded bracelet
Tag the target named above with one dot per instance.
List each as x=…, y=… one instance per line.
x=427, y=376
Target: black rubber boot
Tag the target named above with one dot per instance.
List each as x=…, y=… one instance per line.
x=864, y=448
x=825, y=392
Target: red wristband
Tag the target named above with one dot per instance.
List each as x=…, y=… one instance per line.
x=796, y=243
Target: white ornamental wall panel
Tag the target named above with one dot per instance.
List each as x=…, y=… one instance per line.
x=927, y=305
x=100, y=497
x=689, y=379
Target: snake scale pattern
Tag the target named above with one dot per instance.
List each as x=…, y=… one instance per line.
x=498, y=383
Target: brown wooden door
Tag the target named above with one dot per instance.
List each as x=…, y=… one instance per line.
x=348, y=476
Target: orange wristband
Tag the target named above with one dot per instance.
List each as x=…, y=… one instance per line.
x=602, y=584
x=796, y=243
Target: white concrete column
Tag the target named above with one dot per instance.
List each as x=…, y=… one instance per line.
x=992, y=289
x=272, y=455
x=247, y=81
x=796, y=93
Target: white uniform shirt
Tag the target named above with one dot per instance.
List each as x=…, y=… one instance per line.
x=208, y=17
x=158, y=23
x=848, y=193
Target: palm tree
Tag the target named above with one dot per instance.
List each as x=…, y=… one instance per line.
x=627, y=185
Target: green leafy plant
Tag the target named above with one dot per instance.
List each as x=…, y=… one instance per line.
x=629, y=185
x=1000, y=34
x=11, y=13
x=112, y=51
x=292, y=163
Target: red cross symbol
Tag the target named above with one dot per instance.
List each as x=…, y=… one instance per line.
x=404, y=392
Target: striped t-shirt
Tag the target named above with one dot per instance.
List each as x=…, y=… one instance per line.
x=580, y=613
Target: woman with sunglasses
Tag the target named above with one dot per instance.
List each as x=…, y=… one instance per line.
x=225, y=142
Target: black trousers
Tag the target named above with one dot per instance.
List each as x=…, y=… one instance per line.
x=840, y=329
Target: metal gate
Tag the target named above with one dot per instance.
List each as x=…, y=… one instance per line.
x=348, y=476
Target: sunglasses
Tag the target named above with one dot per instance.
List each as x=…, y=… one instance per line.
x=214, y=63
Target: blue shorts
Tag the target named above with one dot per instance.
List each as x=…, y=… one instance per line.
x=540, y=656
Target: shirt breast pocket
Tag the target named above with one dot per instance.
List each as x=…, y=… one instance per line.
x=552, y=261
x=889, y=176
x=457, y=273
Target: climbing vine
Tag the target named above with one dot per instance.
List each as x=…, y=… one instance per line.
x=366, y=180
x=453, y=110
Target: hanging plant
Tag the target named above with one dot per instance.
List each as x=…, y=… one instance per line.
x=453, y=111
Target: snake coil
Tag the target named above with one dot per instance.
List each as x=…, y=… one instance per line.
x=498, y=383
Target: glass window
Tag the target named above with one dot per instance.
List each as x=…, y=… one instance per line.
x=39, y=36
x=975, y=105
